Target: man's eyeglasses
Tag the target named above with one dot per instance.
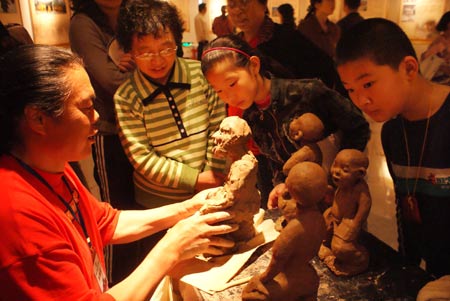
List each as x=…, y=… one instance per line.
x=237, y=3
x=151, y=55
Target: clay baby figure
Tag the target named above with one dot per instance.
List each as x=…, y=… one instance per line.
x=239, y=193
x=290, y=275
x=341, y=251
x=305, y=131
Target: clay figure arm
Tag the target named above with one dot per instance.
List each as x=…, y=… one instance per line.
x=364, y=205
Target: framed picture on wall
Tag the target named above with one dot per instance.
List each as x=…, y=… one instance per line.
x=50, y=21
x=10, y=11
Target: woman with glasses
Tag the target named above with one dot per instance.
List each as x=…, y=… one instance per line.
x=166, y=110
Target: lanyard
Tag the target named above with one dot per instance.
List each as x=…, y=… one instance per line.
x=78, y=217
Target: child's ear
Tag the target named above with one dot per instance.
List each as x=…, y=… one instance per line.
x=410, y=66
x=255, y=64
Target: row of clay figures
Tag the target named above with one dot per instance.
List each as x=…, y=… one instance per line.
x=304, y=230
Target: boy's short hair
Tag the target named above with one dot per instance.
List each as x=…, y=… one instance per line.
x=148, y=17
x=353, y=4
x=377, y=39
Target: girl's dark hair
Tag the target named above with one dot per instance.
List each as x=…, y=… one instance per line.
x=380, y=40
x=93, y=11
x=32, y=75
x=443, y=22
x=268, y=65
x=213, y=56
x=148, y=17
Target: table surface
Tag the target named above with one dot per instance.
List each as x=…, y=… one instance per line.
x=386, y=278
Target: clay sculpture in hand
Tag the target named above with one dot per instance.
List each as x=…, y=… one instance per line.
x=239, y=194
x=290, y=276
x=305, y=131
x=341, y=251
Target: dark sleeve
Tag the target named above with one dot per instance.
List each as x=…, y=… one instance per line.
x=304, y=59
x=340, y=114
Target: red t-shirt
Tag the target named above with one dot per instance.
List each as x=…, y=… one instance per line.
x=44, y=254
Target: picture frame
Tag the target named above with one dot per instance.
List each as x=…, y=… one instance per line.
x=50, y=21
x=10, y=12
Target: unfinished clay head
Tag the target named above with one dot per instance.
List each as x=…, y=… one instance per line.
x=232, y=136
x=307, y=183
x=349, y=166
x=307, y=127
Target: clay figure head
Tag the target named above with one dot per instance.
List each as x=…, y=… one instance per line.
x=307, y=183
x=233, y=133
x=349, y=166
x=307, y=128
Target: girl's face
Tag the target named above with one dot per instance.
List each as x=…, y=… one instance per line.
x=236, y=86
x=325, y=7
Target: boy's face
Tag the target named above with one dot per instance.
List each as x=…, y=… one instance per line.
x=155, y=57
x=378, y=90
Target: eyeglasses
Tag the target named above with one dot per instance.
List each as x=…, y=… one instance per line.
x=237, y=3
x=147, y=56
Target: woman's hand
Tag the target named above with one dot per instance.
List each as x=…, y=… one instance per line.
x=277, y=192
x=126, y=63
x=197, y=234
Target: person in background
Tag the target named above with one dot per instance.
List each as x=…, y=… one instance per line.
x=53, y=229
x=291, y=55
x=286, y=12
x=318, y=28
x=91, y=34
x=235, y=71
x=222, y=25
x=440, y=47
x=167, y=111
x=201, y=29
x=352, y=15
x=379, y=68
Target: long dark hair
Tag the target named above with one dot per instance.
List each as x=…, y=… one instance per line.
x=32, y=75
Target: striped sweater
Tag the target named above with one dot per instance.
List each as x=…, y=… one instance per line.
x=169, y=140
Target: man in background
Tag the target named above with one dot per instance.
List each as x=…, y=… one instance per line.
x=201, y=29
x=352, y=16
x=222, y=25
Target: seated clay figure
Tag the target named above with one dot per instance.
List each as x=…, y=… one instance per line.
x=341, y=251
x=239, y=194
x=290, y=276
x=305, y=131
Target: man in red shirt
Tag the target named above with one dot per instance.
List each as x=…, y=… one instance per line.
x=222, y=25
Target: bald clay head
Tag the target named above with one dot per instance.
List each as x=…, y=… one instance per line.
x=307, y=183
x=232, y=135
x=307, y=127
x=349, y=166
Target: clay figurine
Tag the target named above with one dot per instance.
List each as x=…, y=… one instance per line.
x=305, y=131
x=239, y=194
x=290, y=276
x=341, y=251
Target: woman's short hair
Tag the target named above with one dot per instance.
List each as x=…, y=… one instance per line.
x=148, y=17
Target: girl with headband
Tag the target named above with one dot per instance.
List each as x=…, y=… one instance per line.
x=237, y=73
